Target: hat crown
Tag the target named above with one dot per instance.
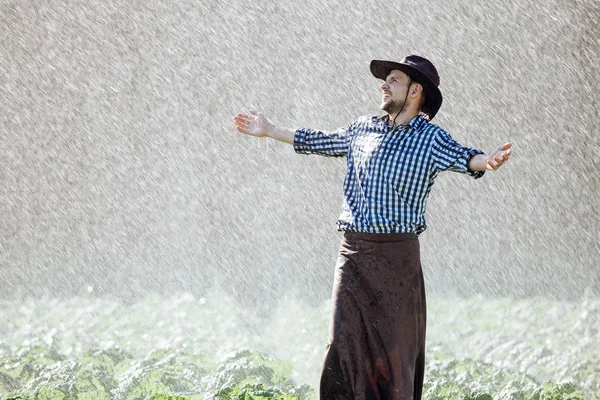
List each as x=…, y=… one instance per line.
x=424, y=66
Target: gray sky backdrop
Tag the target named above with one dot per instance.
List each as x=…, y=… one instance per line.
x=121, y=172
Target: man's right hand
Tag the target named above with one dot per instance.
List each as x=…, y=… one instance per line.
x=253, y=124
x=256, y=124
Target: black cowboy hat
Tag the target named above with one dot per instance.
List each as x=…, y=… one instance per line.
x=420, y=70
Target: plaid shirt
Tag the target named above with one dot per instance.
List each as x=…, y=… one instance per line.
x=390, y=171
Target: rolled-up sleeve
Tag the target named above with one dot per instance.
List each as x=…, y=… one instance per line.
x=332, y=144
x=450, y=155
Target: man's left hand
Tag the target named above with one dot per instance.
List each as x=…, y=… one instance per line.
x=499, y=157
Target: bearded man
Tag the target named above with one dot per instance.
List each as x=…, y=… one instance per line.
x=376, y=346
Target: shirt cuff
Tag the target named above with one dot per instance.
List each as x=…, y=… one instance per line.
x=300, y=145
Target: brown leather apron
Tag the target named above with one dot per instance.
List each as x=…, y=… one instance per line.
x=376, y=347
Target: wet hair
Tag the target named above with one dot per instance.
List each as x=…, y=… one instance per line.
x=423, y=102
x=423, y=98
x=424, y=115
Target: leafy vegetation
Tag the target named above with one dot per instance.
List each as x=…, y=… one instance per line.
x=200, y=348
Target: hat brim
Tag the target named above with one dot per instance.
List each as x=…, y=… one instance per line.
x=433, y=96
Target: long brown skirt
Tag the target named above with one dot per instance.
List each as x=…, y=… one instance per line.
x=376, y=347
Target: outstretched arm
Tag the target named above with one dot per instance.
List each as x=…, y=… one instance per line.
x=483, y=162
x=256, y=124
x=305, y=140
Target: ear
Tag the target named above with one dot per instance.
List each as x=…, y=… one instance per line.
x=416, y=89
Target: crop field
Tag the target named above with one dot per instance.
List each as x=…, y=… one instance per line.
x=191, y=347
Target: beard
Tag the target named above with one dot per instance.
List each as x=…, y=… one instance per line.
x=392, y=106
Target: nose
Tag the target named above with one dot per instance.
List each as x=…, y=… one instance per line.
x=384, y=86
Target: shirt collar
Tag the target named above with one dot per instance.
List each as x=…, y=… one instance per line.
x=416, y=123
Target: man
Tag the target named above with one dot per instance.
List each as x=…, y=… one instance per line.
x=376, y=347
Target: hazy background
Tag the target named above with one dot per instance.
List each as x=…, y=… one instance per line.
x=121, y=172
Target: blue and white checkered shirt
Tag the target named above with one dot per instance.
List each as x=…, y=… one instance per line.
x=390, y=171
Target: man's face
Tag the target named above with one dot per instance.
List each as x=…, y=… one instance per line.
x=394, y=90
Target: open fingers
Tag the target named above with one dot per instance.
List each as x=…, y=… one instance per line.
x=247, y=123
x=500, y=158
x=506, y=146
x=242, y=123
x=243, y=117
x=505, y=155
x=496, y=162
x=243, y=128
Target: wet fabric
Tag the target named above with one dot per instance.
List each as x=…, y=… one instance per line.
x=376, y=347
x=390, y=171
